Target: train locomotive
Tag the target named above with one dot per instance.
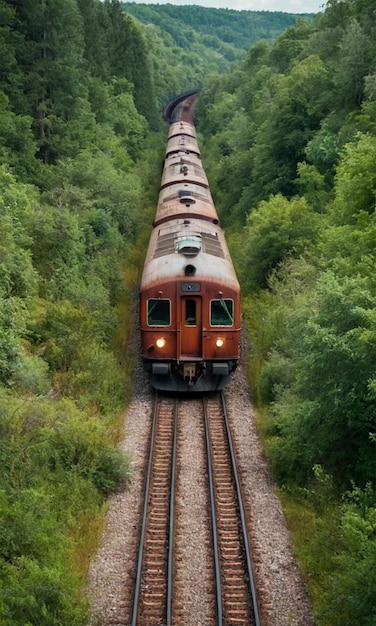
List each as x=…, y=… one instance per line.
x=189, y=294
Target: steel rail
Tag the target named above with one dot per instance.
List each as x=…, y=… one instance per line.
x=136, y=598
x=214, y=520
x=170, y=566
x=252, y=585
x=144, y=516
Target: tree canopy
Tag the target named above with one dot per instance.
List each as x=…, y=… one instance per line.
x=289, y=146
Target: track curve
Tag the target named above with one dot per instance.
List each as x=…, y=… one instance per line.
x=180, y=108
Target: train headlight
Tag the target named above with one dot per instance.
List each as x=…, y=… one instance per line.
x=161, y=342
x=219, y=342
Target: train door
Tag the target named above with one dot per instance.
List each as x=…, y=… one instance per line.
x=191, y=327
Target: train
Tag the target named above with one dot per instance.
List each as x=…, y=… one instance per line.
x=189, y=291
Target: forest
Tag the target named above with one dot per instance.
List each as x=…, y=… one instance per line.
x=287, y=128
x=205, y=40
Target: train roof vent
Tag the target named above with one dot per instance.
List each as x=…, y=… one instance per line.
x=165, y=245
x=212, y=245
x=189, y=245
x=185, y=196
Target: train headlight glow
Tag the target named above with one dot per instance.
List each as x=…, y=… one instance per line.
x=161, y=342
x=219, y=342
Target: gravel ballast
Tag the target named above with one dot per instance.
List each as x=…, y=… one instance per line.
x=282, y=590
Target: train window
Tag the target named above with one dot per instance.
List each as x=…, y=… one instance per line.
x=190, y=312
x=222, y=312
x=159, y=312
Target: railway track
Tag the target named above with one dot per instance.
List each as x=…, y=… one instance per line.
x=178, y=109
x=225, y=591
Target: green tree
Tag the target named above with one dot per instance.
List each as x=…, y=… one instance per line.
x=349, y=596
x=53, y=78
x=355, y=64
x=17, y=144
x=355, y=191
x=293, y=116
x=19, y=280
x=327, y=414
x=288, y=46
x=10, y=72
x=128, y=58
x=276, y=230
x=95, y=51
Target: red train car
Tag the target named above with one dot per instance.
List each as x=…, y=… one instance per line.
x=189, y=296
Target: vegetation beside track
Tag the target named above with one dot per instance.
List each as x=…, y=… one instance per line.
x=288, y=138
x=289, y=146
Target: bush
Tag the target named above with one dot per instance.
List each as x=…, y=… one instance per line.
x=32, y=594
x=37, y=583
x=350, y=595
x=276, y=230
x=57, y=463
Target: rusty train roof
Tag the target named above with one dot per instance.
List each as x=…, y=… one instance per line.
x=186, y=227
x=182, y=166
x=184, y=186
x=194, y=242
x=182, y=143
x=185, y=201
x=182, y=128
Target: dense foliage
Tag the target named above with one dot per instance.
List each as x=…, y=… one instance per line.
x=241, y=29
x=290, y=141
x=289, y=137
x=76, y=110
x=190, y=43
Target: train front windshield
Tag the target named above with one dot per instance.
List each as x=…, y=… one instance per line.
x=222, y=312
x=159, y=312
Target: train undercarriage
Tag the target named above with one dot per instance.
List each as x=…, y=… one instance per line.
x=191, y=376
